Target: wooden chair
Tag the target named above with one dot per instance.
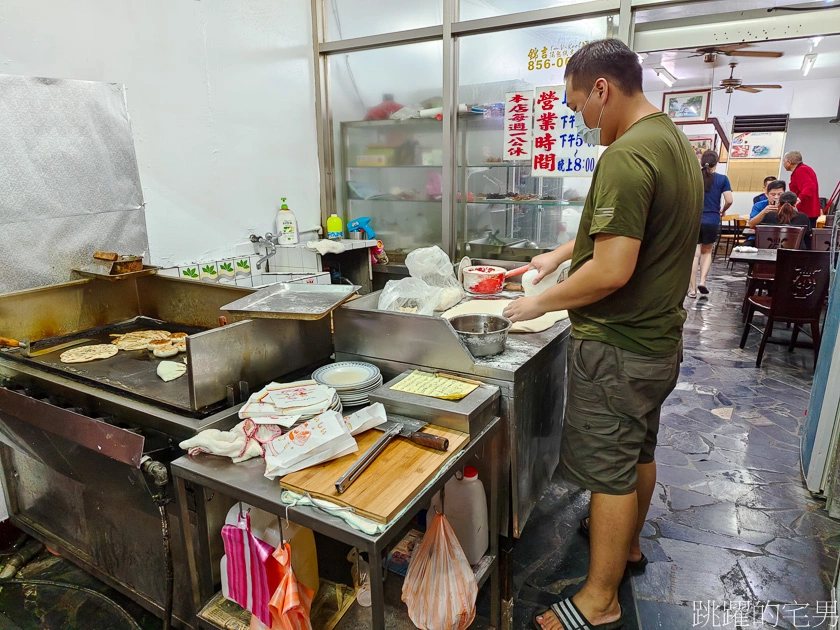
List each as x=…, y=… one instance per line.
x=778, y=236
x=760, y=276
x=821, y=240
x=730, y=234
x=800, y=287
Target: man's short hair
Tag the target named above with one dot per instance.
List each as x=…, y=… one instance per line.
x=610, y=59
x=794, y=157
x=769, y=178
x=775, y=185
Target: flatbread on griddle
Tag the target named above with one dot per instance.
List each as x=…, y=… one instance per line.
x=139, y=339
x=88, y=353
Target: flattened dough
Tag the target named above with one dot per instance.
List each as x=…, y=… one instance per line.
x=88, y=353
x=495, y=307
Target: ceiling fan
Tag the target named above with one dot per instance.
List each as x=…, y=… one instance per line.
x=710, y=53
x=731, y=84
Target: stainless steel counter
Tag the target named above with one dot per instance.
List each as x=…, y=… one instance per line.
x=530, y=373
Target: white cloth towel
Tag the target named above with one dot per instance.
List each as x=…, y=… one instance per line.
x=242, y=442
x=326, y=247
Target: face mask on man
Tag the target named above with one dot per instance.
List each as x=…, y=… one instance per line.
x=587, y=134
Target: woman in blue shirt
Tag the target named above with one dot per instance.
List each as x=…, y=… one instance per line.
x=716, y=186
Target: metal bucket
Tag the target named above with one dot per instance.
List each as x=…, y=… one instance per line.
x=484, y=335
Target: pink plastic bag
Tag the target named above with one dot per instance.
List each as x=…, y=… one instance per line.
x=247, y=556
x=440, y=587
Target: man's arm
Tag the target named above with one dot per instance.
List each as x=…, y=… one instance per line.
x=548, y=262
x=807, y=189
x=727, y=202
x=610, y=268
x=754, y=221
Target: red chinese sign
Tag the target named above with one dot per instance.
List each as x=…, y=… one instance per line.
x=557, y=150
x=518, y=119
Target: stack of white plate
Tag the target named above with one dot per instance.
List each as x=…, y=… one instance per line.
x=353, y=381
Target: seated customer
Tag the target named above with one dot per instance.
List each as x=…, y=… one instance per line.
x=774, y=190
x=786, y=214
x=763, y=196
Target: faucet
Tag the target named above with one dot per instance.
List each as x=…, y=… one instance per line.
x=270, y=247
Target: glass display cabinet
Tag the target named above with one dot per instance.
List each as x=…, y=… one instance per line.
x=392, y=173
x=507, y=213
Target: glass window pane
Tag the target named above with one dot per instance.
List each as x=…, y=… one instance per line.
x=388, y=170
x=702, y=8
x=475, y=9
x=346, y=19
x=506, y=211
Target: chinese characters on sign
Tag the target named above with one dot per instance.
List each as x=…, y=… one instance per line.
x=518, y=114
x=554, y=57
x=761, y=614
x=558, y=151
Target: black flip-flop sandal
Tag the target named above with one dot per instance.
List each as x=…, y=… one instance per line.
x=703, y=289
x=572, y=619
x=637, y=566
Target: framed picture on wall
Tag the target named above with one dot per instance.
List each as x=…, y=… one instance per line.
x=686, y=107
x=702, y=144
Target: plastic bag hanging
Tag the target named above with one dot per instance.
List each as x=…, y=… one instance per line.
x=291, y=602
x=247, y=578
x=440, y=588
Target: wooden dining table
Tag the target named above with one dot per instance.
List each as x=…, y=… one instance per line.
x=762, y=255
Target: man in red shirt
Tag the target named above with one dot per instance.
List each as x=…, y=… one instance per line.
x=803, y=181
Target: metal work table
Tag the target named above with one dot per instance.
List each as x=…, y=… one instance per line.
x=530, y=374
x=245, y=482
x=762, y=255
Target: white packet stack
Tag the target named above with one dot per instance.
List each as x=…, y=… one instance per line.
x=315, y=441
x=302, y=398
x=366, y=418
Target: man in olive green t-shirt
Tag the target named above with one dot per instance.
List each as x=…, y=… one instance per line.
x=631, y=263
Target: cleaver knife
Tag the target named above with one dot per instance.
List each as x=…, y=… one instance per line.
x=395, y=426
x=410, y=429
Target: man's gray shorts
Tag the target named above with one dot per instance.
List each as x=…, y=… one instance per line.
x=612, y=414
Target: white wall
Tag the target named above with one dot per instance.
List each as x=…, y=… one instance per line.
x=819, y=143
x=221, y=98
x=810, y=105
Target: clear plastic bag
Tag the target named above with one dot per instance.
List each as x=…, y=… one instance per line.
x=409, y=295
x=432, y=266
x=440, y=587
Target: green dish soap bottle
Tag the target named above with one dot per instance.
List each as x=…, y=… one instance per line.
x=335, y=227
x=286, y=224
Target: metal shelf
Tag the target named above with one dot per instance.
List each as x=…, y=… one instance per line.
x=501, y=165
x=529, y=202
x=386, y=166
x=438, y=202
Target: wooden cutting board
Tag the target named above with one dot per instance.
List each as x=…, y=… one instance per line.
x=390, y=482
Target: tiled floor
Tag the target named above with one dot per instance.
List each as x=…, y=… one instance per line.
x=731, y=525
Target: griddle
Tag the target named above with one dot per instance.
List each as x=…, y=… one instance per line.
x=129, y=372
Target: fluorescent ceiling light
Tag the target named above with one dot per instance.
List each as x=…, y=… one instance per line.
x=808, y=63
x=666, y=77
x=815, y=41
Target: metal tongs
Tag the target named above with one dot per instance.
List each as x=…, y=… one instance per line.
x=364, y=461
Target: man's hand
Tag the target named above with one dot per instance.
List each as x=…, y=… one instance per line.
x=525, y=309
x=545, y=264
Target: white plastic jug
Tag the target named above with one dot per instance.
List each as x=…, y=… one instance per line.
x=466, y=510
x=266, y=527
